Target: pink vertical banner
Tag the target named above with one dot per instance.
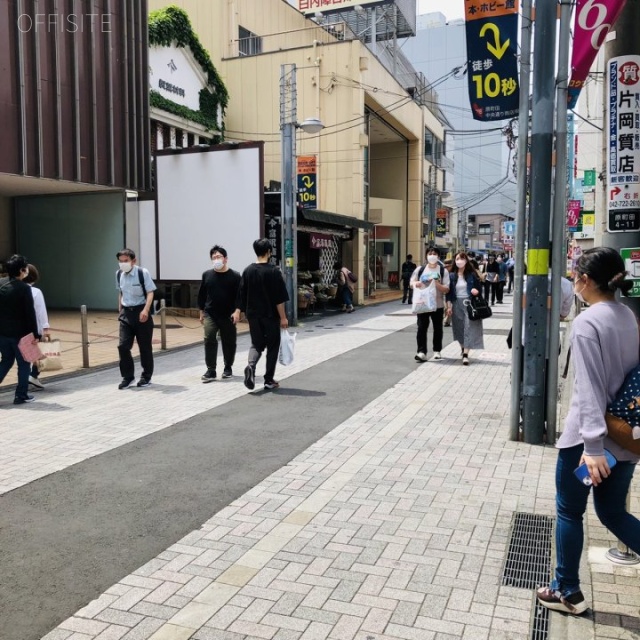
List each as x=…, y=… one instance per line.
x=573, y=214
x=593, y=20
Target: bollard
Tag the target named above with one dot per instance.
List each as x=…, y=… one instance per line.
x=85, y=336
x=163, y=325
x=621, y=554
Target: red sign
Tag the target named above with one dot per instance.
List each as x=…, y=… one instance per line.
x=593, y=21
x=573, y=213
x=320, y=241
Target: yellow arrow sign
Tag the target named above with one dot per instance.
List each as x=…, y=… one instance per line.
x=497, y=50
x=307, y=182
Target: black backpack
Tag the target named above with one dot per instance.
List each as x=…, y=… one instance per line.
x=152, y=311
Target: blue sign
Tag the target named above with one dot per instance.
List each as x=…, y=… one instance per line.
x=492, y=58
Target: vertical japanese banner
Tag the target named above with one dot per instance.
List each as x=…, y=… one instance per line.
x=573, y=214
x=592, y=23
x=307, y=188
x=492, y=62
x=623, y=144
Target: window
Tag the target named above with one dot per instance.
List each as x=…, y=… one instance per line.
x=432, y=148
x=485, y=229
x=249, y=43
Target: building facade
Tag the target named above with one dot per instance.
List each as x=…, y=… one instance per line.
x=74, y=136
x=370, y=165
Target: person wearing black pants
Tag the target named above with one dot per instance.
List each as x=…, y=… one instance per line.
x=217, y=301
x=438, y=331
x=493, y=276
x=262, y=296
x=134, y=302
x=407, y=269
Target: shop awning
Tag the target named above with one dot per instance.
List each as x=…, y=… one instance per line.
x=315, y=215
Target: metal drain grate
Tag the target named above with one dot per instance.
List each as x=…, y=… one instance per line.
x=528, y=562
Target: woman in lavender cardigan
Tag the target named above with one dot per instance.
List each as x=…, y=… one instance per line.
x=604, y=347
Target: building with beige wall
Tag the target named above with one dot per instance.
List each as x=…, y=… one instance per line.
x=371, y=166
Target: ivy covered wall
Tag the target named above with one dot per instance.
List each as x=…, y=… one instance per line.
x=171, y=26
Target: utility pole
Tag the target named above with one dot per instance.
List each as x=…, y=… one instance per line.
x=288, y=115
x=521, y=219
x=559, y=218
x=539, y=218
x=622, y=41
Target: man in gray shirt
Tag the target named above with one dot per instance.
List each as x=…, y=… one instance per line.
x=135, y=298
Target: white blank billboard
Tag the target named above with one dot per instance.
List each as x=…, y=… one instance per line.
x=204, y=198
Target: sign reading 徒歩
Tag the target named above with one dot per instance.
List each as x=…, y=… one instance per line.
x=492, y=58
x=307, y=184
x=631, y=259
x=623, y=144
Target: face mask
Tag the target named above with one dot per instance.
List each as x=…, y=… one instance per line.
x=125, y=267
x=217, y=264
x=432, y=259
x=579, y=294
x=461, y=264
x=499, y=260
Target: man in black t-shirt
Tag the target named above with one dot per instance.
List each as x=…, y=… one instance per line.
x=262, y=297
x=407, y=269
x=218, y=302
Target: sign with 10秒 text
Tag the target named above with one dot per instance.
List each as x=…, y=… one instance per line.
x=492, y=63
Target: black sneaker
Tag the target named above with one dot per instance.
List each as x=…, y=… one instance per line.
x=143, y=382
x=227, y=373
x=272, y=384
x=23, y=400
x=208, y=376
x=249, y=377
x=574, y=604
x=126, y=383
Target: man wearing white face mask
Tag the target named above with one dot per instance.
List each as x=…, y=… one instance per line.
x=218, y=302
x=134, y=303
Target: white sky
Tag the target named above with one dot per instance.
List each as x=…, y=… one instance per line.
x=452, y=9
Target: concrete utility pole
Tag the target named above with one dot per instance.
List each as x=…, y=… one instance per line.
x=623, y=40
x=559, y=218
x=521, y=219
x=539, y=217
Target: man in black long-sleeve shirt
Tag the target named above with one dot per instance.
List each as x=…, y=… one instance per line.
x=217, y=301
x=17, y=319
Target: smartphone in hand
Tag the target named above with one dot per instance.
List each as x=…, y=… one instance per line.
x=582, y=472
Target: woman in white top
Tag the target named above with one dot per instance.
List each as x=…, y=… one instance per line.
x=42, y=319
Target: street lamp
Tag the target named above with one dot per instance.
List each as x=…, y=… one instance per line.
x=288, y=126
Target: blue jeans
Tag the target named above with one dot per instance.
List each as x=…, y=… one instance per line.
x=609, y=499
x=347, y=296
x=9, y=353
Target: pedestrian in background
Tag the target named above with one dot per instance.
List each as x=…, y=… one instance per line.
x=511, y=273
x=42, y=319
x=218, y=302
x=492, y=277
x=422, y=277
x=262, y=296
x=448, y=265
x=347, y=287
x=407, y=269
x=604, y=347
x=502, y=279
x=463, y=284
x=135, y=297
x=17, y=319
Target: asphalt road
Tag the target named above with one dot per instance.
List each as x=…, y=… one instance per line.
x=66, y=538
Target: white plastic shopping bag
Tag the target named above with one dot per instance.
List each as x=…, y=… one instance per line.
x=425, y=300
x=287, y=347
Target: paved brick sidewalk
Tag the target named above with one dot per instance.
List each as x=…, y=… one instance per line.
x=394, y=526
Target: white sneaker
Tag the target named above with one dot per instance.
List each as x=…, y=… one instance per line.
x=34, y=382
x=421, y=357
x=437, y=356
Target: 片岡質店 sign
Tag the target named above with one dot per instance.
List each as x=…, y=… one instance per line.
x=492, y=63
x=623, y=144
x=307, y=183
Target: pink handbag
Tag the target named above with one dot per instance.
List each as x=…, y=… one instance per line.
x=29, y=348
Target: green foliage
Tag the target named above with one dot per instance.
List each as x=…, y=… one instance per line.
x=169, y=26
